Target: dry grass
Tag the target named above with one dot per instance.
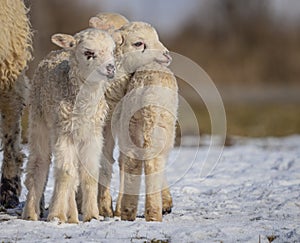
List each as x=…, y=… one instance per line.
x=255, y=120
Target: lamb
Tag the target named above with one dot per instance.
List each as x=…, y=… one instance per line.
x=113, y=95
x=15, y=53
x=108, y=21
x=67, y=113
x=148, y=119
x=130, y=55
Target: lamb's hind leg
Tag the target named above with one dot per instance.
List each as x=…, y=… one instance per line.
x=66, y=180
x=89, y=155
x=107, y=160
x=154, y=181
x=11, y=106
x=73, y=210
x=132, y=180
x=121, y=190
x=166, y=198
x=37, y=167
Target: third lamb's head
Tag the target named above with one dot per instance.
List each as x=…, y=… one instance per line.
x=91, y=53
x=108, y=21
x=138, y=44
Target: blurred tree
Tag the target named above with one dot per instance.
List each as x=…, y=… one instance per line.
x=49, y=17
x=243, y=19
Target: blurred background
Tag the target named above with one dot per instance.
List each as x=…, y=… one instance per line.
x=250, y=49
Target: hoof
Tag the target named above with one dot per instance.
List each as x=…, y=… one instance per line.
x=89, y=218
x=166, y=211
x=128, y=214
x=30, y=217
x=153, y=217
x=106, y=212
x=9, y=192
x=9, y=201
x=105, y=207
x=117, y=213
x=57, y=218
x=73, y=221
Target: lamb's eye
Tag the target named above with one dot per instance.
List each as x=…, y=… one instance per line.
x=90, y=54
x=138, y=44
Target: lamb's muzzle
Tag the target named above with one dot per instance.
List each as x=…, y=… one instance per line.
x=168, y=59
x=110, y=70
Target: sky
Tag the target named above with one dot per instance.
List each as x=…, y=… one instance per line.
x=171, y=15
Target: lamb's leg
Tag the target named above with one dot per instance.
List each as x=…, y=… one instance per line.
x=166, y=198
x=132, y=181
x=89, y=155
x=154, y=180
x=121, y=190
x=11, y=107
x=37, y=167
x=78, y=197
x=66, y=179
x=73, y=212
x=107, y=160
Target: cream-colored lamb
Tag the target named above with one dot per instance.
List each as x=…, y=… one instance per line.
x=146, y=132
x=15, y=52
x=113, y=95
x=108, y=21
x=67, y=113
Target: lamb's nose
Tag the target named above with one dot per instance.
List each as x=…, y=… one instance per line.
x=110, y=70
x=168, y=56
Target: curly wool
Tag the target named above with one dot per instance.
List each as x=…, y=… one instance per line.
x=15, y=39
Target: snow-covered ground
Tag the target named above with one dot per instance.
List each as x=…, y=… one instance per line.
x=252, y=195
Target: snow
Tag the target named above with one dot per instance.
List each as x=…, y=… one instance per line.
x=252, y=194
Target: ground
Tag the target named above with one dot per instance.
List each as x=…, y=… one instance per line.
x=252, y=195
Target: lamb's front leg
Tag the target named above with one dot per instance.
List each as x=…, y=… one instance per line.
x=107, y=160
x=89, y=155
x=121, y=189
x=66, y=180
x=37, y=167
x=73, y=209
x=154, y=181
x=132, y=180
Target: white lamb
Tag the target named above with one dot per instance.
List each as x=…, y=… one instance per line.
x=67, y=113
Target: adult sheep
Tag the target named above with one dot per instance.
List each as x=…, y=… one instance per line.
x=66, y=117
x=15, y=52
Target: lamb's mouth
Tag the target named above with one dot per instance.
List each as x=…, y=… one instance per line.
x=166, y=61
x=163, y=62
x=109, y=75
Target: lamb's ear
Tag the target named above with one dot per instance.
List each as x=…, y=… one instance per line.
x=95, y=22
x=67, y=42
x=118, y=37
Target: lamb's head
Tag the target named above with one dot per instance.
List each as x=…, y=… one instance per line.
x=108, y=21
x=137, y=44
x=91, y=52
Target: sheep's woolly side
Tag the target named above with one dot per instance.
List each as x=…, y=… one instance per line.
x=15, y=39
